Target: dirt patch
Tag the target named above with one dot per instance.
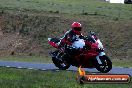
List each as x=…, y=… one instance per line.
x=27, y=33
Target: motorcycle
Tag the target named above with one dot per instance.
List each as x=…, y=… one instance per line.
x=87, y=53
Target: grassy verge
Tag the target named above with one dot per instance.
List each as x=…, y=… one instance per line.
x=86, y=7
x=38, y=59
x=122, y=63
x=19, y=78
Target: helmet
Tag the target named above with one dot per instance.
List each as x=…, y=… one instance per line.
x=76, y=27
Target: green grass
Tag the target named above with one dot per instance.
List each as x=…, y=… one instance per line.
x=91, y=7
x=37, y=59
x=22, y=78
x=122, y=63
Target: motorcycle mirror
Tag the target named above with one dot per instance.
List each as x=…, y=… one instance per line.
x=92, y=33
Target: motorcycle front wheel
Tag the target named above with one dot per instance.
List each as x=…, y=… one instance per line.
x=106, y=65
x=62, y=65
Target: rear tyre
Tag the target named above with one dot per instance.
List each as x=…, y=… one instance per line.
x=106, y=65
x=62, y=65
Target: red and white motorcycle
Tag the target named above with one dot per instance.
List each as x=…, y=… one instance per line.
x=87, y=53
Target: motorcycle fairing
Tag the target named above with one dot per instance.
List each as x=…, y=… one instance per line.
x=53, y=42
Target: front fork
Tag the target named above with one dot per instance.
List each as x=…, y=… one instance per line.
x=97, y=57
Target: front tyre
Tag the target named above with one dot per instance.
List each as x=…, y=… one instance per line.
x=106, y=65
x=62, y=65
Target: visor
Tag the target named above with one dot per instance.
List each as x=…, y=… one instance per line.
x=77, y=28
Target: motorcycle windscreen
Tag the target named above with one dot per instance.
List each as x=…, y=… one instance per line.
x=79, y=43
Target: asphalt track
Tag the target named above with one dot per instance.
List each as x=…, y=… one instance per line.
x=50, y=66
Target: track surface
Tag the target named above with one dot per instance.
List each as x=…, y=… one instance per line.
x=49, y=66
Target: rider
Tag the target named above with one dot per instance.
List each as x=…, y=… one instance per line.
x=71, y=35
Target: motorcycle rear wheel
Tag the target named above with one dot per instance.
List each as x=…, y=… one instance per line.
x=106, y=65
x=62, y=65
